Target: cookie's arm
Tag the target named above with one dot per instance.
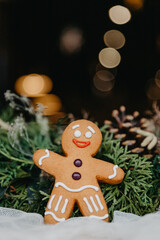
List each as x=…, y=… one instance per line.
x=47, y=160
x=108, y=172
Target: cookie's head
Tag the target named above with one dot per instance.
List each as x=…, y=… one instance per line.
x=82, y=136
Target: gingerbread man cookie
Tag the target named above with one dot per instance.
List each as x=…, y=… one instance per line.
x=77, y=174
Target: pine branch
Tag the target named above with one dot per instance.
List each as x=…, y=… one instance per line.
x=23, y=186
x=4, y=125
x=8, y=156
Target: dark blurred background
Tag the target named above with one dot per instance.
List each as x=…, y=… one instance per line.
x=30, y=42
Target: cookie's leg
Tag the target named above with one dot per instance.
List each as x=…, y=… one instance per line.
x=92, y=203
x=59, y=207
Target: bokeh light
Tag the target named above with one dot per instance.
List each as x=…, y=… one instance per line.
x=105, y=75
x=33, y=85
x=134, y=4
x=158, y=42
x=157, y=78
x=99, y=67
x=152, y=90
x=114, y=39
x=104, y=81
x=119, y=14
x=109, y=57
x=52, y=104
x=56, y=116
x=48, y=83
x=19, y=85
x=99, y=94
x=71, y=40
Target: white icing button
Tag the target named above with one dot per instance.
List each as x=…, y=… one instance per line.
x=77, y=133
x=88, y=134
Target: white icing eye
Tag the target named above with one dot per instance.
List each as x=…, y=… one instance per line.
x=77, y=133
x=88, y=134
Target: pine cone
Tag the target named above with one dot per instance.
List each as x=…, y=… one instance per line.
x=132, y=131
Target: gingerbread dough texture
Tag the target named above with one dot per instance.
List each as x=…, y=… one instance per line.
x=77, y=174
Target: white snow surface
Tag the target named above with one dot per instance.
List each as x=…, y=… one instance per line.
x=18, y=225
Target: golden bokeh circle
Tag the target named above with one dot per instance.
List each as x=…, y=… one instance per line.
x=114, y=39
x=19, y=87
x=119, y=14
x=109, y=57
x=99, y=67
x=152, y=90
x=48, y=83
x=33, y=85
x=102, y=84
x=134, y=4
x=56, y=116
x=51, y=103
x=105, y=75
x=157, y=78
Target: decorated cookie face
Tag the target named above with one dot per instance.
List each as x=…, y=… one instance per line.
x=81, y=136
x=77, y=174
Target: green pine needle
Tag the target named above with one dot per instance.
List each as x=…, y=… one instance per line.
x=23, y=186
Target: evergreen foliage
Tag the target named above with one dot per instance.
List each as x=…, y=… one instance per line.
x=23, y=186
